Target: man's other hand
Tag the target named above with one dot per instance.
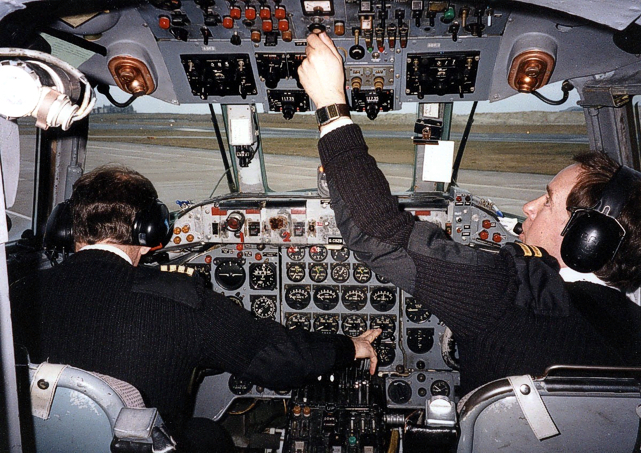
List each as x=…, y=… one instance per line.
x=364, y=348
x=321, y=73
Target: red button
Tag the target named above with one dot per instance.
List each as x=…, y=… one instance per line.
x=228, y=22
x=497, y=237
x=235, y=12
x=164, y=22
x=484, y=235
x=267, y=26
x=280, y=12
x=265, y=12
x=255, y=36
x=250, y=13
x=486, y=224
x=283, y=25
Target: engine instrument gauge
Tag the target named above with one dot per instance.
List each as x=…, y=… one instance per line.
x=341, y=254
x=386, y=354
x=340, y=272
x=318, y=253
x=298, y=321
x=326, y=323
x=295, y=271
x=362, y=273
x=420, y=340
x=353, y=325
x=440, y=387
x=230, y=274
x=297, y=297
x=326, y=297
x=383, y=298
x=264, y=307
x=318, y=7
x=416, y=310
x=354, y=298
x=239, y=386
x=237, y=300
x=262, y=276
x=295, y=253
x=399, y=392
x=386, y=323
x=318, y=272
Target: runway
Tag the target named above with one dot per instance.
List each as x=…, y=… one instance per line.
x=181, y=174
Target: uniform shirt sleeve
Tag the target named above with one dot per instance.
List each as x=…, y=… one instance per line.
x=466, y=288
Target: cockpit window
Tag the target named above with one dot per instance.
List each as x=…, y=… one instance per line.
x=515, y=148
x=20, y=214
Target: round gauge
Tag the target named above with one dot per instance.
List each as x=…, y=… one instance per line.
x=317, y=252
x=326, y=297
x=362, y=273
x=295, y=253
x=383, y=298
x=386, y=354
x=440, y=387
x=298, y=321
x=318, y=272
x=420, y=341
x=262, y=276
x=340, y=272
x=326, y=323
x=354, y=297
x=297, y=297
x=340, y=255
x=230, y=274
x=295, y=272
x=239, y=386
x=237, y=300
x=382, y=279
x=386, y=323
x=400, y=392
x=264, y=307
x=416, y=310
x=353, y=325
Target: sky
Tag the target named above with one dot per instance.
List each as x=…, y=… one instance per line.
x=516, y=103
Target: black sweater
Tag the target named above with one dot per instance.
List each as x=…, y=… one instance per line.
x=510, y=314
x=97, y=312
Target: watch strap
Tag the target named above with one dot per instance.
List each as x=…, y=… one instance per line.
x=332, y=112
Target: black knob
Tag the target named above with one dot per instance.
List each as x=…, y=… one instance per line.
x=235, y=39
x=372, y=110
x=356, y=52
x=317, y=28
x=272, y=79
x=288, y=110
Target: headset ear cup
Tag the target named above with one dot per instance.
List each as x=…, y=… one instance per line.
x=591, y=239
x=151, y=225
x=59, y=230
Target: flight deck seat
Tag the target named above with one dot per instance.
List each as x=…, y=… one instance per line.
x=569, y=409
x=77, y=411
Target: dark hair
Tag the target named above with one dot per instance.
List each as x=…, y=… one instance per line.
x=105, y=202
x=624, y=270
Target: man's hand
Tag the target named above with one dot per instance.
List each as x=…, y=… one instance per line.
x=364, y=349
x=321, y=73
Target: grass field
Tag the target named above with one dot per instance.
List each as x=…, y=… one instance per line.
x=525, y=157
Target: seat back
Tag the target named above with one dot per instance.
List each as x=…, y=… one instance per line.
x=77, y=411
x=584, y=409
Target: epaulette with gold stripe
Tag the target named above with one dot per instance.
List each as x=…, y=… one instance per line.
x=529, y=250
x=178, y=269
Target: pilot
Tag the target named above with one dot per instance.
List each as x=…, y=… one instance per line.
x=514, y=312
x=99, y=311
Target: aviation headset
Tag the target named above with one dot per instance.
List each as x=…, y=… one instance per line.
x=593, y=236
x=151, y=227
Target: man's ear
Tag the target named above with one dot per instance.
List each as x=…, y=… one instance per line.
x=144, y=250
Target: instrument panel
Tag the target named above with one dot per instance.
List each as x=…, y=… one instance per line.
x=282, y=258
